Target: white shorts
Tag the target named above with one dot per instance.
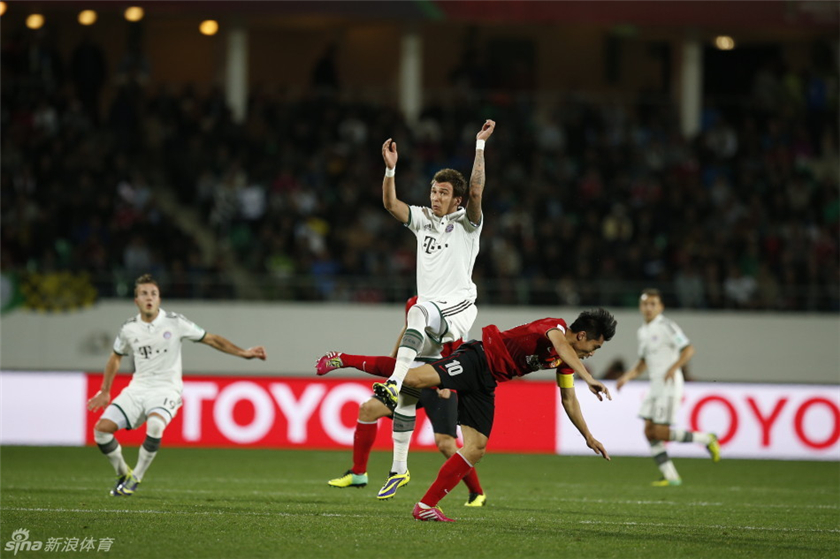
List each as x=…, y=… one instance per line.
x=458, y=318
x=136, y=404
x=662, y=402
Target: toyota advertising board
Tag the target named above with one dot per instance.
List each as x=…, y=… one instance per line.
x=752, y=420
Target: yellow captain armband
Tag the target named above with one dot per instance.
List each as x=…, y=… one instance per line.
x=565, y=380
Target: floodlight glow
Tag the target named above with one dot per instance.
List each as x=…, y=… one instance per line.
x=35, y=21
x=134, y=13
x=2, y=8
x=87, y=17
x=724, y=42
x=209, y=27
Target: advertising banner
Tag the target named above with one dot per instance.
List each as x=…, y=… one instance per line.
x=752, y=420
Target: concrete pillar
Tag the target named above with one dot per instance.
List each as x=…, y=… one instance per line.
x=236, y=72
x=691, y=87
x=411, y=75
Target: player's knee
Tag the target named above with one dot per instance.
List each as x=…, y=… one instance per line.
x=446, y=445
x=650, y=433
x=473, y=454
x=105, y=426
x=155, y=425
x=372, y=410
x=106, y=442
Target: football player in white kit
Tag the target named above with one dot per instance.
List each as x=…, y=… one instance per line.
x=447, y=245
x=663, y=350
x=153, y=396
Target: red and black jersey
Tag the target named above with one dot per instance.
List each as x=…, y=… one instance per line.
x=522, y=350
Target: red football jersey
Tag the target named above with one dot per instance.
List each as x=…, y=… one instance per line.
x=522, y=350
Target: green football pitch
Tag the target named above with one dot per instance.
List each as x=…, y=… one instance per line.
x=267, y=503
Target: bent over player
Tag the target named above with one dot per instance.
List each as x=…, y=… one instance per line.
x=153, y=396
x=441, y=408
x=476, y=367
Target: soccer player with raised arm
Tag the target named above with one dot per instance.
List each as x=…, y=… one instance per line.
x=153, y=396
x=447, y=235
x=441, y=407
x=663, y=350
x=475, y=368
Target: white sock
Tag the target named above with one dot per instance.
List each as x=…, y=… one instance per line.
x=660, y=456
x=154, y=432
x=144, y=460
x=405, y=416
x=115, y=457
x=679, y=435
x=413, y=340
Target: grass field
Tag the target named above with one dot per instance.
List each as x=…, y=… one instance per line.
x=258, y=503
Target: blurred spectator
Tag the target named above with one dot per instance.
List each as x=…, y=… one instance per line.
x=747, y=215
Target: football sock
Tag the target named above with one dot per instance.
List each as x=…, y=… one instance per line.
x=411, y=344
x=144, y=460
x=374, y=365
x=472, y=483
x=362, y=444
x=689, y=436
x=154, y=431
x=660, y=456
x=405, y=417
x=450, y=474
x=112, y=450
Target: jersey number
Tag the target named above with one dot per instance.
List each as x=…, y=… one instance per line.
x=454, y=368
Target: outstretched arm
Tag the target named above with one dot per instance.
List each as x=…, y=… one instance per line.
x=225, y=345
x=567, y=353
x=103, y=397
x=572, y=407
x=394, y=205
x=477, y=177
x=640, y=368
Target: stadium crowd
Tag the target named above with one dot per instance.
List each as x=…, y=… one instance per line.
x=744, y=216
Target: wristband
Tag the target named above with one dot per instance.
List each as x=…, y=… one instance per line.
x=390, y=172
x=479, y=144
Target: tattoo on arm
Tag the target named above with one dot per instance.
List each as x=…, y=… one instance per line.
x=477, y=177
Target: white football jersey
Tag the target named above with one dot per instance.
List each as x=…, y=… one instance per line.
x=446, y=250
x=156, y=348
x=660, y=343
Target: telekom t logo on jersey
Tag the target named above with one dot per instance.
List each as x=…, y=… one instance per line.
x=430, y=245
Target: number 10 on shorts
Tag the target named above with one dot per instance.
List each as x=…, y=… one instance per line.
x=454, y=368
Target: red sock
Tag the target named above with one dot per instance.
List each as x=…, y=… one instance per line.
x=362, y=443
x=378, y=366
x=448, y=477
x=472, y=483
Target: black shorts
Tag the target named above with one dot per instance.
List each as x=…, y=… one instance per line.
x=466, y=372
x=442, y=412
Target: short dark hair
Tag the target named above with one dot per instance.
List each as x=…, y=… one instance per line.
x=145, y=278
x=596, y=323
x=651, y=292
x=456, y=179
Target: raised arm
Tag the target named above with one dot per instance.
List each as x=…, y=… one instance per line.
x=394, y=205
x=103, y=397
x=572, y=407
x=225, y=345
x=477, y=177
x=567, y=353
